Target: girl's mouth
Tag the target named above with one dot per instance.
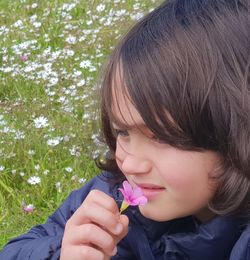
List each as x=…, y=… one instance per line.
x=150, y=190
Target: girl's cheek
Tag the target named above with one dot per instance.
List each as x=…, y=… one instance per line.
x=177, y=180
x=179, y=177
x=119, y=155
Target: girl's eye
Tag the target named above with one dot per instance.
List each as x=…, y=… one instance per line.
x=119, y=132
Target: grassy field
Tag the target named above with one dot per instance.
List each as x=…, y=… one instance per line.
x=51, y=55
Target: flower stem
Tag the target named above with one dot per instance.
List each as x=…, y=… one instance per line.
x=123, y=206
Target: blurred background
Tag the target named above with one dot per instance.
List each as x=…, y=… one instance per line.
x=51, y=58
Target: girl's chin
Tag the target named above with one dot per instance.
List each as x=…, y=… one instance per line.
x=153, y=214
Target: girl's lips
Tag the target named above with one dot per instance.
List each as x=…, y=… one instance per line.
x=150, y=190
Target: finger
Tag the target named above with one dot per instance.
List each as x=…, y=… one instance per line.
x=83, y=252
x=103, y=218
x=104, y=200
x=100, y=238
x=99, y=198
x=94, y=213
x=125, y=222
x=94, y=235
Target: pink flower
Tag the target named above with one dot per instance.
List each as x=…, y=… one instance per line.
x=28, y=208
x=24, y=57
x=132, y=196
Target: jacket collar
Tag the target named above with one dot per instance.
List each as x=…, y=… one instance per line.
x=185, y=237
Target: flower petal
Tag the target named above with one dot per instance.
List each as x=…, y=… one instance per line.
x=122, y=191
x=137, y=192
x=125, y=195
x=139, y=201
x=127, y=188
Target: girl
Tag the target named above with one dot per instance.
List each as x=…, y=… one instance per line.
x=176, y=118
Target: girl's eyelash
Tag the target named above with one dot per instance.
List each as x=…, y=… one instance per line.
x=124, y=133
x=120, y=132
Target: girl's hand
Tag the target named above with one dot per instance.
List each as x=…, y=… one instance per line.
x=94, y=229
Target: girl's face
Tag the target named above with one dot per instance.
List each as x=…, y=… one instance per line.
x=177, y=183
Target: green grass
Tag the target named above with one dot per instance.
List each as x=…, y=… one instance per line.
x=53, y=83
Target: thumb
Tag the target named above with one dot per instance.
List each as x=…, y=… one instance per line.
x=124, y=221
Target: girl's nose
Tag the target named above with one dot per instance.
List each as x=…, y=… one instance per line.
x=133, y=165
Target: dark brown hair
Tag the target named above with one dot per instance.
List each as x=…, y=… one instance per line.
x=190, y=58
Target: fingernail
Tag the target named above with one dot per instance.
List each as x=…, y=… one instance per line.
x=114, y=251
x=118, y=228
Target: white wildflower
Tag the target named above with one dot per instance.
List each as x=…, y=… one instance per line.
x=82, y=180
x=58, y=186
x=34, y=5
x=7, y=69
x=68, y=7
x=121, y=12
x=19, y=135
x=34, y=180
x=31, y=152
x=68, y=169
x=63, y=100
x=54, y=142
x=85, y=64
x=51, y=93
x=37, y=24
x=75, y=151
x=41, y=122
x=33, y=18
x=68, y=109
x=137, y=16
x=71, y=39
x=100, y=8
x=66, y=138
x=6, y=130
x=68, y=52
x=74, y=177
x=92, y=68
x=2, y=122
x=53, y=81
x=77, y=73
x=81, y=83
x=18, y=23
x=46, y=172
x=89, y=22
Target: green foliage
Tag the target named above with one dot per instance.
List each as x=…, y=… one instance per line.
x=51, y=53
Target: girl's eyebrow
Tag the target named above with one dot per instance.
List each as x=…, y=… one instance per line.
x=119, y=124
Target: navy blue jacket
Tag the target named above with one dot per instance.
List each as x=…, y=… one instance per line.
x=183, y=239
